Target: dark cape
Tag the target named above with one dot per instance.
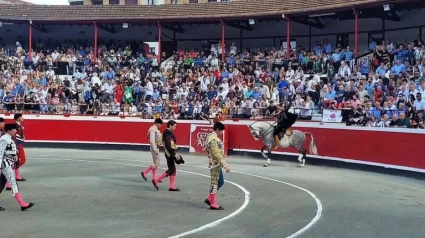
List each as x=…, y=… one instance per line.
x=170, y=145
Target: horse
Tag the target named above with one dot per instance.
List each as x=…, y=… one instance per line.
x=264, y=130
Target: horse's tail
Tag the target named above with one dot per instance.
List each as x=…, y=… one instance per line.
x=312, y=146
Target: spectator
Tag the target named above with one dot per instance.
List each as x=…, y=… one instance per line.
x=403, y=121
x=384, y=121
x=395, y=121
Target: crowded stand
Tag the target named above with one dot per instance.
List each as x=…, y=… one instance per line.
x=383, y=88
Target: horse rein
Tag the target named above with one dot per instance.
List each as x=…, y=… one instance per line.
x=271, y=125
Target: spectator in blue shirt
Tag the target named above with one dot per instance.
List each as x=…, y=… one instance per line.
x=257, y=93
x=43, y=82
x=401, y=53
x=109, y=75
x=372, y=44
x=81, y=51
x=198, y=61
x=329, y=97
x=282, y=84
x=211, y=93
x=224, y=73
x=398, y=68
x=248, y=93
x=364, y=66
x=6, y=98
x=155, y=95
x=327, y=46
x=382, y=69
x=410, y=54
x=339, y=94
x=376, y=111
x=336, y=57
x=231, y=60
x=348, y=55
x=140, y=60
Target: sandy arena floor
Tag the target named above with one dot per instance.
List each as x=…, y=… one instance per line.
x=81, y=193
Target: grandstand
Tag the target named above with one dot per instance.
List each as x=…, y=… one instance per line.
x=239, y=46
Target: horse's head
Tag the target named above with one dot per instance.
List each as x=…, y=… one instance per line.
x=255, y=132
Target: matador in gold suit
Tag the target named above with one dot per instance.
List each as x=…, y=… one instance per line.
x=155, y=141
x=215, y=149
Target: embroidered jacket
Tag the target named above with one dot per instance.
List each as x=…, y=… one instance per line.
x=154, y=137
x=215, y=149
x=20, y=136
x=170, y=143
x=8, y=151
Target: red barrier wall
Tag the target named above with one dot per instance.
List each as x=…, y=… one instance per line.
x=390, y=147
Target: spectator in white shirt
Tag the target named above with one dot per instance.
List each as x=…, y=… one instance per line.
x=290, y=73
x=344, y=70
x=108, y=90
x=233, y=48
x=214, y=61
x=183, y=92
x=214, y=49
x=413, y=90
x=225, y=85
x=204, y=83
x=372, y=122
x=311, y=84
x=362, y=93
x=305, y=112
x=298, y=101
x=155, y=63
x=156, y=74
x=419, y=103
x=55, y=55
x=116, y=107
x=197, y=109
x=95, y=79
x=385, y=122
x=50, y=72
x=220, y=49
x=149, y=89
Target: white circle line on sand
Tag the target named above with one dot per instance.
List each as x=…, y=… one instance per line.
x=296, y=234
x=199, y=229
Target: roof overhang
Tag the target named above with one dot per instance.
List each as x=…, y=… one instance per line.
x=175, y=18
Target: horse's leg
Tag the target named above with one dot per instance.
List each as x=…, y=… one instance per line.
x=267, y=157
x=269, y=153
x=262, y=152
x=302, y=157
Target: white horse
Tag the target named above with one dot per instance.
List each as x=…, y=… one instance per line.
x=264, y=130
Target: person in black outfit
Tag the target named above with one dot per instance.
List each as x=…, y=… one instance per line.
x=170, y=148
x=284, y=121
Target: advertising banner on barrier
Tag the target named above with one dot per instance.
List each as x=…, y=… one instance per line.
x=198, y=134
x=237, y=137
x=332, y=116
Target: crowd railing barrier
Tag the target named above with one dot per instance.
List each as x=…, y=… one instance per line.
x=185, y=112
x=182, y=112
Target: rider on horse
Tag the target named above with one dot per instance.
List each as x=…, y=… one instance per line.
x=285, y=120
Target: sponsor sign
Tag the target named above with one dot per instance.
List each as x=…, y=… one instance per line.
x=198, y=134
x=331, y=116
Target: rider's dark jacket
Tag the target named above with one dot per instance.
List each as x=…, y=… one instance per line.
x=287, y=119
x=284, y=121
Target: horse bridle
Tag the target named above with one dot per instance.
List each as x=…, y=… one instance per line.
x=271, y=125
